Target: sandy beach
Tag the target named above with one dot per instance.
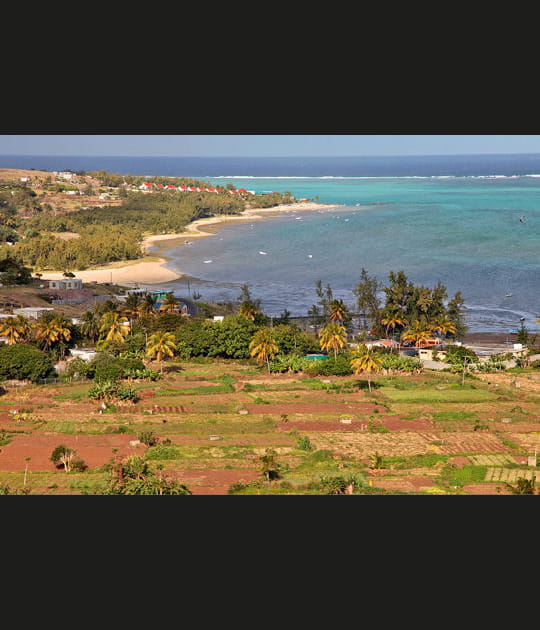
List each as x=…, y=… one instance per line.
x=155, y=272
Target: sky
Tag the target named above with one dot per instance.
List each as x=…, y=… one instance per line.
x=266, y=145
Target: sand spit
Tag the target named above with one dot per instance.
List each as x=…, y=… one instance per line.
x=155, y=272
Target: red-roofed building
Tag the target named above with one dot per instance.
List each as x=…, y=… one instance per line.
x=145, y=186
x=382, y=343
x=182, y=188
x=171, y=187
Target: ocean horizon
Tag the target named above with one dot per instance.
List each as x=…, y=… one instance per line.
x=471, y=222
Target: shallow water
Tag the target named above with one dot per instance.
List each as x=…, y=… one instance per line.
x=453, y=219
x=463, y=232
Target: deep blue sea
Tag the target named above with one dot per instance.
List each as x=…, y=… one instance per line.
x=470, y=222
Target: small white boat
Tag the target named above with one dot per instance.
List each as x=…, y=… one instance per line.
x=207, y=261
x=508, y=295
x=263, y=253
x=310, y=255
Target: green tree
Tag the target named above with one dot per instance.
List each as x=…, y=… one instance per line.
x=47, y=331
x=248, y=310
x=147, y=305
x=326, y=296
x=454, y=312
x=170, y=303
x=114, y=327
x=263, y=346
x=523, y=335
x=417, y=332
x=24, y=361
x=14, y=329
x=90, y=325
x=367, y=299
x=160, y=345
x=523, y=486
x=338, y=311
x=365, y=361
x=444, y=325
x=131, y=307
x=270, y=466
x=63, y=456
x=391, y=320
x=333, y=336
x=133, y=476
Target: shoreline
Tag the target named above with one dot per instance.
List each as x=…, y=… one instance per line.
x=152, y=272
x=156, y=272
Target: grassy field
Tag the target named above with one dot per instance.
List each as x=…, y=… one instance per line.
x=212, y=422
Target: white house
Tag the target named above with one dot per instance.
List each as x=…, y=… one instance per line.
x=68, y=283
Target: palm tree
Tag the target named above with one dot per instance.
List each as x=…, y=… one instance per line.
x=337, y=311
x=63, y=332
x=131, y=307
x=46, y=332
x=417, y=332
x=263, y=346
x=333, y=336
x=89, y=325
x=161, y=344
x=146, y=307
x=391, y=321
x=169, y=303
x=12, y=328
x=25, y=328
x=444, y=325
x=114, y=326
x=248, y=310
x=365, y=361
x=50, y=329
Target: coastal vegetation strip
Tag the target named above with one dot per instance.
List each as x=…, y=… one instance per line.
x=104, y=234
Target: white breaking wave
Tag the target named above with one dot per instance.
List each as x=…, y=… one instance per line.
x=340, y=177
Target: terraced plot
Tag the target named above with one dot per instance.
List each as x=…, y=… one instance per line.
x=214, y=421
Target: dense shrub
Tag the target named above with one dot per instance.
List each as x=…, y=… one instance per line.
x=24, y=361
x=105, y=366
x=399, y=363
x=291, y=362
x=148, y=437
x=292, y=340
x=79, y=368
x=341, y=366
x=112, y=390
x=456, y=355
x=228, y=339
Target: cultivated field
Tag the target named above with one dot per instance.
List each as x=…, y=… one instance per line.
x=213, y=420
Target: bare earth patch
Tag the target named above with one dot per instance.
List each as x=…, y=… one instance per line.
x=310, y=408
x=95, y=450
x=210, y=481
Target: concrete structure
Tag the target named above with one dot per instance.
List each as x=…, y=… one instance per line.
x=427, y=354
x=86, y=354
x=68, y=283
x=31, y=311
